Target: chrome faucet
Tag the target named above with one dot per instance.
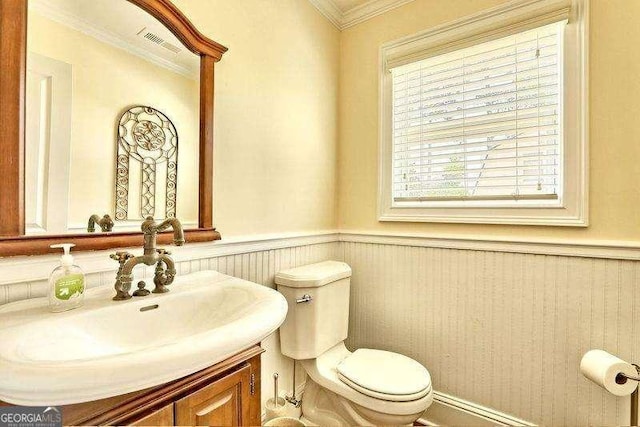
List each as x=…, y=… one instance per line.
x=165, y=267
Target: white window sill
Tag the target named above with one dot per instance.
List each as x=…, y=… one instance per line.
x=549, y=216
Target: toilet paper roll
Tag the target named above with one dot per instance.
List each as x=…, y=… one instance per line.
x=273, y=410
x=602, y=368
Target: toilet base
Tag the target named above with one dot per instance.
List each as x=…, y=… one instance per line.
x=323, y=407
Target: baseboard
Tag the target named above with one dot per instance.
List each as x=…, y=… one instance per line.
x=451, y=410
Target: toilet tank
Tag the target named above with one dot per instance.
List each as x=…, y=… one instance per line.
x=318, y=316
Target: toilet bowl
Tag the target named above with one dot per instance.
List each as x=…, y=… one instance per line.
x=366, y=387
x=329, y=399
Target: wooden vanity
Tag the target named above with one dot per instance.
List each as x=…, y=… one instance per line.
x=225, y=394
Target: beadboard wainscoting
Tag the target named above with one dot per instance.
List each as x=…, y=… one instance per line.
x=503, y=330
x=256, y=259
x=501, y=325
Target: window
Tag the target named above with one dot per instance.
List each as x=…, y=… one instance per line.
x=488, y=127
x=480, y=123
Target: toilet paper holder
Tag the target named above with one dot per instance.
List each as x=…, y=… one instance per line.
x=622, y=378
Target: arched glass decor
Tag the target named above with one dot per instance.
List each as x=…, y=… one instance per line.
x=148, y=137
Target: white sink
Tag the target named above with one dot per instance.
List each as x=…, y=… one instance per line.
x=107, y=348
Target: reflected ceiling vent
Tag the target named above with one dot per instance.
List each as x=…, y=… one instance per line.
x=154, y=38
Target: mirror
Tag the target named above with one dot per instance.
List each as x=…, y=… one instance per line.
x=13, y=63
x=112, y=116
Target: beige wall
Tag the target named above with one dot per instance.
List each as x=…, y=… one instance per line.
x=275, y=114
x=614, y=126
x=107, y=80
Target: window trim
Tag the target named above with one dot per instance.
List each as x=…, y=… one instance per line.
x=512, y=17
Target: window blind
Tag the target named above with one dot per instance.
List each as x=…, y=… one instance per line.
x=481, y=123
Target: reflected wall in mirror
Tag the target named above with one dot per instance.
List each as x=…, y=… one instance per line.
x=87, y=63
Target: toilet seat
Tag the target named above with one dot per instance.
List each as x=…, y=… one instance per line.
x=323, y=371
x=385, y=375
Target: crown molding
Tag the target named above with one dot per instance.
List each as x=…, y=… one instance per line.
x=369, y=10
x=350, y=17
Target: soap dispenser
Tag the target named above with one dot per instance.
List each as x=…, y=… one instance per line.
x=66, y=283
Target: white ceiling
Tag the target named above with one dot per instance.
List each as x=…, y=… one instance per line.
x=120, y=23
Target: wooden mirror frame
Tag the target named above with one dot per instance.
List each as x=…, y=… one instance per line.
x=13, y=53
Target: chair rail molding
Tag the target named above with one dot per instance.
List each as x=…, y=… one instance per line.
x=23, y=269
x=611, y=249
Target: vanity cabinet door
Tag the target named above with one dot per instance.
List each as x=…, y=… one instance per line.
x=161, y=417
x=225, y=402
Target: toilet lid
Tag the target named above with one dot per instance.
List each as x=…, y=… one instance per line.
x=385, y=375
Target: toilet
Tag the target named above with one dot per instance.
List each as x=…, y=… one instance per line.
x=366, y=387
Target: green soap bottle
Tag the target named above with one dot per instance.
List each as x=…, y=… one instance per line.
x=66, y=283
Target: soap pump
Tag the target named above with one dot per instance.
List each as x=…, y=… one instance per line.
x=66, y=283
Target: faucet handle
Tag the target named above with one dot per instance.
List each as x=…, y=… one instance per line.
x=121, y=256
x=163, y=252
x=106, y=223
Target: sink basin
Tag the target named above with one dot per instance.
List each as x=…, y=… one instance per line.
x=107, y=348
